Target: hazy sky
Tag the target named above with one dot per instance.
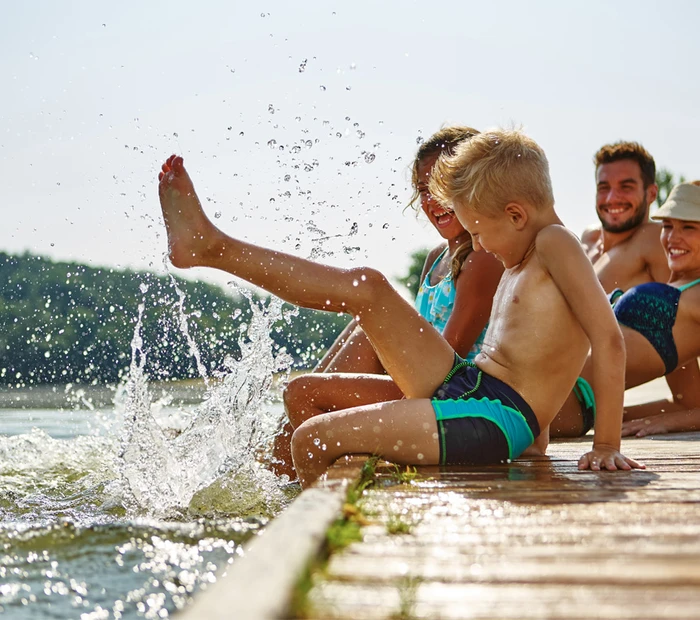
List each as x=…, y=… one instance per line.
x=298, y=120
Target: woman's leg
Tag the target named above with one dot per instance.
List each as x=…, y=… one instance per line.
x=314, y=394
x=403, y=431
x=416, y=356
x=357, y=355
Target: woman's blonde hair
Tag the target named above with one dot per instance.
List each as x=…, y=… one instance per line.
x=491, y=170
x=443, y=142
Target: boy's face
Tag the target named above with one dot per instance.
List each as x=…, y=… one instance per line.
x=489, y=233
x=621, y=199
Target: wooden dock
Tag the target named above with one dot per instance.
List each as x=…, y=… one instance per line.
x=532, y=539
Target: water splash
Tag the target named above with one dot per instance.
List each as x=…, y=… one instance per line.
x=224, y=440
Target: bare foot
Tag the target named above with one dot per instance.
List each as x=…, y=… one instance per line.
x=192, y=239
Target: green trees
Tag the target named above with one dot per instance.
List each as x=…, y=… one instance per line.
x=412, y=279
x=70, y=323
x=666, y=180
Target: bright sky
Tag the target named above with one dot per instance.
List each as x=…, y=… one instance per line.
x=95, y=95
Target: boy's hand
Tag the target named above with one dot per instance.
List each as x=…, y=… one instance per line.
x=604, y=457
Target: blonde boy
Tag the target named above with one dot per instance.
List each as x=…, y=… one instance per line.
x=455, y=412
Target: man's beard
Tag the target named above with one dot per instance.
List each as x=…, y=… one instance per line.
x=635, y=221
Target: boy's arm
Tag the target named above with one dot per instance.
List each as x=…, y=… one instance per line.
x=562, y=256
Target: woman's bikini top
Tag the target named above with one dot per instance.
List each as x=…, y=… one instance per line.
x=435, y=303
x=651, y=309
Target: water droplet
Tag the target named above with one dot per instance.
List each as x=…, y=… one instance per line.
x=271, y=109
x=296, y=149
x=242, y=133
x=353, y=66
x=322, y=87
x=363, y=277
x=217, y=215
x=317, y=442
x=272, y=143
x=338, y=134
x=369, y=158
x=308, y=144
x=385, y=225
x=175, y=134
x=355, y=283
x=302, y=66
x=287, y=177
x=348, y=88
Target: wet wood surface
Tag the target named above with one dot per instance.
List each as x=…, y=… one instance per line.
x=533, y=539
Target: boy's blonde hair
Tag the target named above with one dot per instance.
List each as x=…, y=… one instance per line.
x=492, y=169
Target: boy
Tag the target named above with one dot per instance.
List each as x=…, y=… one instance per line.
x=455, y=412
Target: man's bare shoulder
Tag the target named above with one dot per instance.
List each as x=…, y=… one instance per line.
x=648, y=239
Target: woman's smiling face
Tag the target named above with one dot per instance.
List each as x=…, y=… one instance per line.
x=681, y=242
x=443, y=219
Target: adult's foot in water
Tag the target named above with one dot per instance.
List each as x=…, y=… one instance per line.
x=192, y=239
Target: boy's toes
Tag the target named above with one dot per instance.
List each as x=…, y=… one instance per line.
x=177, y=164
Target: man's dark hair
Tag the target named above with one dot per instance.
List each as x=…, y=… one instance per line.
x=628, y=150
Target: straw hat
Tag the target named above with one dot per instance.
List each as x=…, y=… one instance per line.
x=683, y=203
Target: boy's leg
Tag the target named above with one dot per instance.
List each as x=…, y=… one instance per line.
x=403, y=431
x=416, y=356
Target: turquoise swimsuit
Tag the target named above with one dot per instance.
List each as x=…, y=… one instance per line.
x=435, y=303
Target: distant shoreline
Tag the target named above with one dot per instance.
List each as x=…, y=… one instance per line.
x=77, y=396
x=59, y=396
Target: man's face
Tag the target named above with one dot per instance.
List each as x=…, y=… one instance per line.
x=621, y=199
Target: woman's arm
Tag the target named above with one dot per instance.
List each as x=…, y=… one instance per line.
x=476, y=285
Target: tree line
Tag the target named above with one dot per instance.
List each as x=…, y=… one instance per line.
x=64, y=322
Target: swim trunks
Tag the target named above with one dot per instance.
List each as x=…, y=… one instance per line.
x=435, y=303
x=584, y=394
x=481, y=420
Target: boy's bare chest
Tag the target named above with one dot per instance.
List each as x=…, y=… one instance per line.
x=527, y=299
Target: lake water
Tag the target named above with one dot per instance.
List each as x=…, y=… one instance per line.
x=73, y=546
x=126, y=511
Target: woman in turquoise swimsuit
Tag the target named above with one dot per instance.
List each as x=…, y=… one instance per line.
x=660, y=324
x=455, y=295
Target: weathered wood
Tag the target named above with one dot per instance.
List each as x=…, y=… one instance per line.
x=533, y=539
